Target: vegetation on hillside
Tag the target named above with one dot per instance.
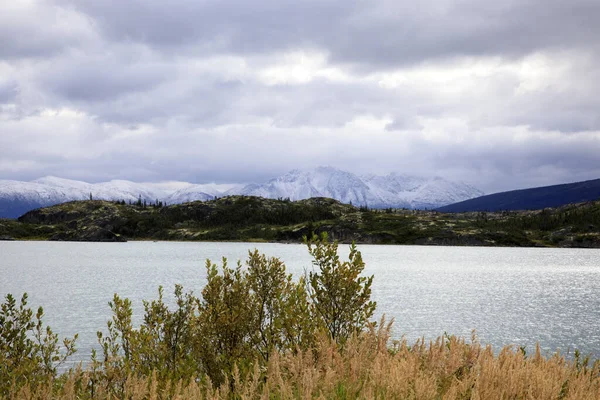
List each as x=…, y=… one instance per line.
x=239, y=218
x=256, y=333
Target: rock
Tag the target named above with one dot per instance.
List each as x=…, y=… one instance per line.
x=5, y=237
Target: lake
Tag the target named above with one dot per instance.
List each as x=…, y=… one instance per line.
x=508, y=295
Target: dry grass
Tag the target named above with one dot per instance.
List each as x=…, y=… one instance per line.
x=366, y=368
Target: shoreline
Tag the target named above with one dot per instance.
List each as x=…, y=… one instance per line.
x=296, y=243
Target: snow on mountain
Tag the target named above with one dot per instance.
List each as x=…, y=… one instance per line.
x=192, y=193
x=439, y=192
x=113, y=190
x=295, y=185
x=64, y=185
x=126, y=190
x=31, y=192
x=18, y=197
x=202, y=192
x=392, y=190
x=319, y=182
x=419, y=193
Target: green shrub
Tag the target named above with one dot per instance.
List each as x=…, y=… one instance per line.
x=244, y=315
x=340, y=295
x=29, y=352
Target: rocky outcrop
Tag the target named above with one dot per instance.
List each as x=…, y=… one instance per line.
x=62, y=213
x=89, y=221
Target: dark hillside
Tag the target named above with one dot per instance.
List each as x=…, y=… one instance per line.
x=11, y=208
x=244, y=218
x=531, y=199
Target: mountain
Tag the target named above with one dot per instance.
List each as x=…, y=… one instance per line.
x=417, y=193
x=393, y=190
x=531, y=199
x=191, y=193
x=17, y=197
x=319, y=182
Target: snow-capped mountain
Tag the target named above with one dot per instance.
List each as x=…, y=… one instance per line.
x=393, y=190
x=191, y=193
x=320, y=182
x=418, y=193
x=18, y=197
x=202, y=192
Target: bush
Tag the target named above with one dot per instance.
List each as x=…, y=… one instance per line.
x=29, y=352
x=340, y=295
x=243, y=316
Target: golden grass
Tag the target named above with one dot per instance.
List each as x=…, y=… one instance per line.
x=367, y=367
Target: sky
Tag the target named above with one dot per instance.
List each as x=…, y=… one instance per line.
x=497, y=94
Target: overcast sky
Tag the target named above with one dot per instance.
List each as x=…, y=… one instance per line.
x=498, y=94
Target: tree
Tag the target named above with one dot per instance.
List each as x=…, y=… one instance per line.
x=226, y=322
x=340, y=295
x=283, y=320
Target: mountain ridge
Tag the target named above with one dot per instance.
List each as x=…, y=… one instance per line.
x=531, y=198
x=384, y=191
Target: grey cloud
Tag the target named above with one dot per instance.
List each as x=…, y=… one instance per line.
x=143, y=102
x=126, y=88
x=236, y=26
x=97, y=80
x=39, y=29
x=383, y=33
x=498, y=165
x=8, y=91
x=100, y=72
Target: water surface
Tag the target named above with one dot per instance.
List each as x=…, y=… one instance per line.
x=508, y=295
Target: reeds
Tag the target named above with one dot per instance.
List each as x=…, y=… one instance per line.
x=367, y=366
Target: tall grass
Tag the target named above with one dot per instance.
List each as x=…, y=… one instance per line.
x=368, y=366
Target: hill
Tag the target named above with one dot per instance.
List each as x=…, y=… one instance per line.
x=530, y=199
x=245, y=218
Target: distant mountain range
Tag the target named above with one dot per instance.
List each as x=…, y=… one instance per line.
x=531, y=199
x=393, y=190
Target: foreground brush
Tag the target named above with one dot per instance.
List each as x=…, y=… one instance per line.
x=257, y=333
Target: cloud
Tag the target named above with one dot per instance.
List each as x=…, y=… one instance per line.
x=498, y=94
x=37, y=29
x=101, y=77
x=8, y=92
x=378, y=33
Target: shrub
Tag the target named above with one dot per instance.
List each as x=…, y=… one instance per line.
x=243, y=316
x=29, y=352
x=340, y=295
